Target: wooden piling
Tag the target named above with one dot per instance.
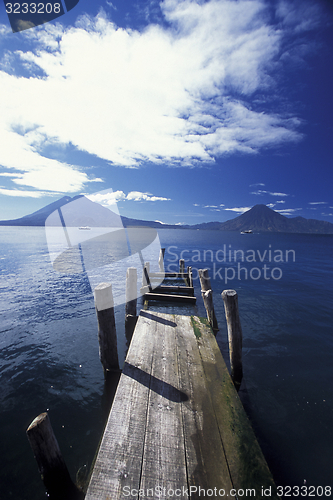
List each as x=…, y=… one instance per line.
x=131, y=291
x=144, y=278
x=190, y=276
x=182, y=266
x=131, y=302
x=230, y=300
x=207, y=297
x=51, y=464
x=161, y=260
x=107, y=335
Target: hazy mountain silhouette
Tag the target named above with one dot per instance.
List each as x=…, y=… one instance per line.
x=259, y=218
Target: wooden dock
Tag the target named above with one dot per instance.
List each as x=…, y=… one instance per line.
x=177, y=428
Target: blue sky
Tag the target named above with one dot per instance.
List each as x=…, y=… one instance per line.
x=186, y=111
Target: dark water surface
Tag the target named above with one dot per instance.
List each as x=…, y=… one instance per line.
x=49, y=350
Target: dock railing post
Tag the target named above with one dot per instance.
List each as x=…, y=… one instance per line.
x=161, y=260
x=207, y=297
x=190, y=276
x=51, y=464
x=182, y=267
x=146, y=269
x=131, y=301
x=107, y=335
x=235, y=335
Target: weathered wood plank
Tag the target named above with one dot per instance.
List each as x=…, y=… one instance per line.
x=170, y=298
x=206, y=462
x=167, y=275
x=119, y=459
x=164, y=455
x=247, y=465
x=189, y=290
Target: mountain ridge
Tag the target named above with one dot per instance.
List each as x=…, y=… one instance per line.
x=259, y=218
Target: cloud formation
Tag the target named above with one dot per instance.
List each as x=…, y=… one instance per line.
x=110, y=198
x=240, y=210
x=178, y=95
x=261, y=192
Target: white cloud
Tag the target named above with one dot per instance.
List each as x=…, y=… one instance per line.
x=138, y=196
x=299, y=16
x=288, y=211
x=110, y=4
x=210, y=206
x=108, y=198
x=260, y=192
x=240, y=210
x=162, y=95
x=271, y=205
x=257, y=184
x=317, y=202
x=23, y=194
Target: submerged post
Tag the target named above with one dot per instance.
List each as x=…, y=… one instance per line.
x=131, y=300
x=230, y=300
x=107, y=335
x=207, y=297
x=51, y=464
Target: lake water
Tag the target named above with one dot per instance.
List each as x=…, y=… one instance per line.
x=49, y=357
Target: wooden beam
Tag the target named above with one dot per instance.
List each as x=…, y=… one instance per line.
x=189, y=290
x=170, y=298
x=167, y=275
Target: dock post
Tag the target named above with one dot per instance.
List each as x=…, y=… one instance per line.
x=107, y=335
x=235, y=336
x=161, y=260
x=51, y=464
x=182, y=267
x=131, y=300
x=190, y=276
x=207, y=297
x=144, y=279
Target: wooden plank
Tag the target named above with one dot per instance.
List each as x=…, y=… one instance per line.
x=168, y=275
x=118, y=463
x=164, y=454
x=170, y=298
x=247, y=465
x=189, y=290
x=206, y=462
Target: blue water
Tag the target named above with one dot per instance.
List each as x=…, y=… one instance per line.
x=49, y=350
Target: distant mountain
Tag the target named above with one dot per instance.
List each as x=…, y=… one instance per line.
x=261, y=218
x=81, y=213
x=38, y=218
x=84, y=212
